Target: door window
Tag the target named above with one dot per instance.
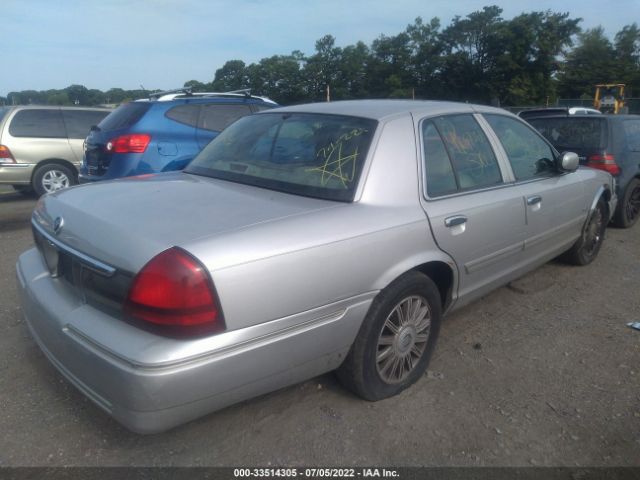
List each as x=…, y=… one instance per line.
x=217, y=117
x=472, y=158
x=78, y=122
x=43, y=123
x=530, y=156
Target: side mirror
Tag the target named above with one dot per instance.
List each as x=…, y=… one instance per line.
x=568, y=162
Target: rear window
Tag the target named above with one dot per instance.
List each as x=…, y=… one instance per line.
x=78, y=122
x=305, y=154
x=41, y=123
x=573, y=132
x=124, y=116
x=632, y=134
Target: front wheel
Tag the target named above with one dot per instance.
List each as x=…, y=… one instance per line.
x=628, y=210
x=396, y=339
x=53, y=177
x=586, y=248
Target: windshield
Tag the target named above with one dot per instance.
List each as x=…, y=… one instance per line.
x=572, y=133
x=301, y=153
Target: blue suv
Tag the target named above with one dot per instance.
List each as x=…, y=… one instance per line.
x=162, y=133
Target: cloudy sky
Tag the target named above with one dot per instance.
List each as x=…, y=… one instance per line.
x=163, y=43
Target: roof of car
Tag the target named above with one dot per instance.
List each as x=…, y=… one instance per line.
x=383, y=109
x=55, y=107
x=606, y=116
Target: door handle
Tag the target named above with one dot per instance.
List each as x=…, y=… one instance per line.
x=455, y=220
x=534, y=199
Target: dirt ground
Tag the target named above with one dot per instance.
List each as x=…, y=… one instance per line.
x=541, y=372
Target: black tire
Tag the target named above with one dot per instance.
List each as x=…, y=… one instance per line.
x=628, y=210
x=361, y=371
x=25, y=190
x=586, y=248
x=44, y=178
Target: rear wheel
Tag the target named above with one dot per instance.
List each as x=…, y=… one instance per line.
x=395, y=342
x=586, y=248
x=628, y=210
x=53, y=177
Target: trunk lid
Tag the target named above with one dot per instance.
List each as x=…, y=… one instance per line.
x=126, y=222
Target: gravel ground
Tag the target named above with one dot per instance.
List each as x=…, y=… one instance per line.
x=541, y=372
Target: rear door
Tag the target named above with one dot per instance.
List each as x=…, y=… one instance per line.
x=554, y=201
x=36, y=134
x=475, y=215
x=78, y=123
x=215, y=117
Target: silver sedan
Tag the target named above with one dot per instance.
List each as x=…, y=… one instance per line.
x=301, y=240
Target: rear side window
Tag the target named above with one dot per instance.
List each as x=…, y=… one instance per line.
x=43, y=123
x=530, y=156
x=439, y=175
x=632, y=134
x=471, y=155
x=79, y=122
x=573, y=132
x=185, y=114
x=216, y=117
x=124, y=116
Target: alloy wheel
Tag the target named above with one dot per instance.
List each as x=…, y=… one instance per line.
x=403, y=339
x=54, y=180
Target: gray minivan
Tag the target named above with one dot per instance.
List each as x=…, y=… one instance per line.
x=41, y=147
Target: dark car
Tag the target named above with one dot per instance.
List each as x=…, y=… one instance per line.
x=162, y=133
x=606, y=142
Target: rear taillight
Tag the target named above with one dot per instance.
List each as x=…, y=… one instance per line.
x=134, y=143
x=606, y=162
x=6, y=155
x=174, y=290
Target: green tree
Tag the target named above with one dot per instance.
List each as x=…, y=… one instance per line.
x=627, y=46
x=472, y=46
x=278, y=77
x=528, y=66
x=592, y=61
x=197, y=86
x=232, y=76
x=322, y=69
x=389, y=71
x=57, y=97
x=426, y=58
x=78, y=94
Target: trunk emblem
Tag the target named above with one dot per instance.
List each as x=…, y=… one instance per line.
x=58, y=223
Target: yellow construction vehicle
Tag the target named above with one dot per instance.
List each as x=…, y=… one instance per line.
x=609, y=97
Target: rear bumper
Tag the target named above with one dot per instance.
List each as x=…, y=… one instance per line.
x=167, y=382
x=16, y=173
